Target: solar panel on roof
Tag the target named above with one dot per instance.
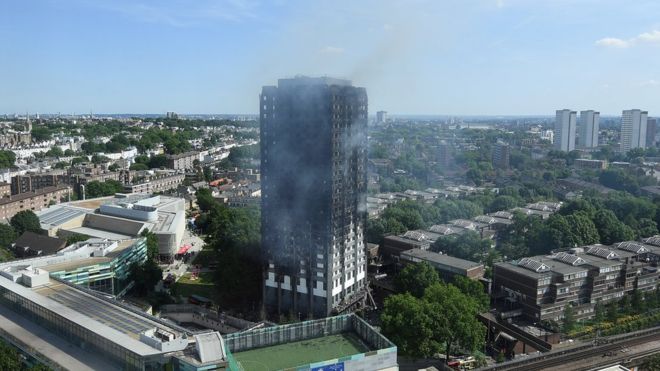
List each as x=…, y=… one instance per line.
x=415, y=235
x=632, y=247
x=568, y=258
x=602, y=252
x=655, y=240
x=533, y=265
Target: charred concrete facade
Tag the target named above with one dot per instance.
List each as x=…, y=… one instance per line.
x=314, y=178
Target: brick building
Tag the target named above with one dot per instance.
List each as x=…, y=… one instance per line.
x=35, y=200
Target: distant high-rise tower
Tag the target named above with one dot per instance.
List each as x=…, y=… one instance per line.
x=589, y=126
x=314, y=179
x=633, y=129
x=565, y=130
x=381, y=117
x=28, y=123
x=501, y=155
x=650, y=132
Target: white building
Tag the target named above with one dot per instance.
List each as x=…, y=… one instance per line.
x=633, y=129
x=565, y=123
x=589, y=125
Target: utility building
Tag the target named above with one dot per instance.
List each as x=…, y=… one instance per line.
x=313, y=164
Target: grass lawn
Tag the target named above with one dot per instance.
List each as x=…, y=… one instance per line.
x=300, y=353
x=202, y=286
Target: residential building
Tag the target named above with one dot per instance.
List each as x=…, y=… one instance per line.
x=35, y=201
x=447, y=266
x=33, y=244
x=564, y=134
x=381, y=117
x=651, y=130
x=444, y=154
x=32, y=182
x=633, y=129
x=501, y=155
x=542, y=286
x=589, y=125
x=314, y=178
x=5, y=189
x=583, y=163
x=157, y=184
x=182, y=161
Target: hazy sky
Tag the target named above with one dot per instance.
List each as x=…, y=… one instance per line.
x=426, y=57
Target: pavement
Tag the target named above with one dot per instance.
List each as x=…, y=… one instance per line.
x=178, y=267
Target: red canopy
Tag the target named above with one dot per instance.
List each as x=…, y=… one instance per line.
x=184, y=249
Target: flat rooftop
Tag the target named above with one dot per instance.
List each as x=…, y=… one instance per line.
x=300, y=353
x=99, y=233
x=441, y=259
x=99, y=310
x=77, y=263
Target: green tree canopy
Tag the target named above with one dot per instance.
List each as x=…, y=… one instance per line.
x=7, y=159
x=415, y=278
x=25, y=220
x=145, y=277
x=100, y=189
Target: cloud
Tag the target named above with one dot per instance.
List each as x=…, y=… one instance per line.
x=650, y=82
x=652, y=37
x=332, y=50
x=613, y=42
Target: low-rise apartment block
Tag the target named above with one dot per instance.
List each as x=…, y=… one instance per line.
x=182, y=161
x=542, y=286
x=157, y=184
x=35, y=201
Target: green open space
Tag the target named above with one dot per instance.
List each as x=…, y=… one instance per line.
x=300, y=353
x=202, y=286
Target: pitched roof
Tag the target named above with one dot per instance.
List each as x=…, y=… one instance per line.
x=39, y=243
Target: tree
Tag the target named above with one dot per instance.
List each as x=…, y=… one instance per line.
x=468, y=245
x=114, y=167
x=415, y=278
x=7, y=159
x=651, y=363
x=637, y=302
x=612, y=312
x=7, y=235
x=145, y=276
x=25, y=220
x=626, y=305
x=568, y=323
x=406, y=321
x=152, y=243
x=503, y=203
x=610, y=229
x=205, y=199
x=9, y=358
x=139, y=166
x=599, y=312
x=474, y=289
x=454, y=317
x=101, y=189
x=235, y=235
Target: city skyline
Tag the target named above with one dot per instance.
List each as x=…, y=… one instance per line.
x=490, y=57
